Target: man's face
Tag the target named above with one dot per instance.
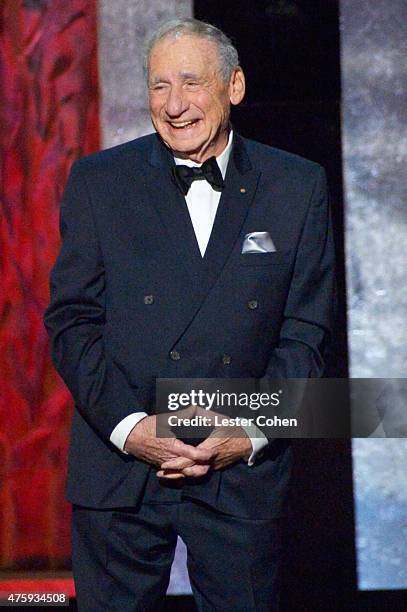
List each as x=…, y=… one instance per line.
x=189, y=102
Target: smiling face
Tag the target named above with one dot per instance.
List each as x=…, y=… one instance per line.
x=189, y=102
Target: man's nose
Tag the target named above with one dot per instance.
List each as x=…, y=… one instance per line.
x=176, y=102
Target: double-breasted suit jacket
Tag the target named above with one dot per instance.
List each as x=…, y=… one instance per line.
x=132, y=300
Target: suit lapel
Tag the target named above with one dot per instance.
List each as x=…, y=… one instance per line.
x=173, y=211
x=240, y=187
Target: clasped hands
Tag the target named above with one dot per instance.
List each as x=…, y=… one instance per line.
x=175, y=459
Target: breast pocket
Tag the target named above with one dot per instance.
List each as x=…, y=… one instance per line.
x=276, y=258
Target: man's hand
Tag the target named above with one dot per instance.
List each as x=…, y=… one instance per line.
x=143, y=443
x=226, y=445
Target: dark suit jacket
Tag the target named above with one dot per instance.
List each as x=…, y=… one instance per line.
x=126, y=234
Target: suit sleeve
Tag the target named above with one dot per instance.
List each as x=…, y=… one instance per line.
x=310, y=306
x=75, y=318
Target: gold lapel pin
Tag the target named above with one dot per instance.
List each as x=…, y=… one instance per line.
x=242, y=190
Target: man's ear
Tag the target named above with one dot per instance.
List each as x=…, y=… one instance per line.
x=237, y=86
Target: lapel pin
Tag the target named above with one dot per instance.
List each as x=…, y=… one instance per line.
x=242, y=190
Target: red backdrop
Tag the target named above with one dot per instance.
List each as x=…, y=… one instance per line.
x=48, y=117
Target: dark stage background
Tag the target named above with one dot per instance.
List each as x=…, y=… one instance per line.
x=291, y=56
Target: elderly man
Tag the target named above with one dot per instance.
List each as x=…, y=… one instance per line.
x=188, y=253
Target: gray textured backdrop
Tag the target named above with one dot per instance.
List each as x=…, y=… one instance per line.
x=374, y=113
x=123, y=28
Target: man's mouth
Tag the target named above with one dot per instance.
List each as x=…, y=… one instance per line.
x=183, y=125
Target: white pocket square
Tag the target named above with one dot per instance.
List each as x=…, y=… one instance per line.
x=258, y=242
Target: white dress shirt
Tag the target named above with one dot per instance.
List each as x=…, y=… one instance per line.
x=202, y=201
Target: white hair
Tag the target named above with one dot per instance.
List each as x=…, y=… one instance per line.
x=227, y=54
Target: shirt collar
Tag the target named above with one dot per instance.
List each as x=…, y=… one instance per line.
x=222, y=159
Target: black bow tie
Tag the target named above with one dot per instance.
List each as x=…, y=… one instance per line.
x=209, y=171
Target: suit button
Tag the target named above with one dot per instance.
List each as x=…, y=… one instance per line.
x=175, y=356
x=252, y=304
x=226, y=359
x=148, y=299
